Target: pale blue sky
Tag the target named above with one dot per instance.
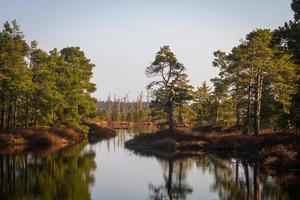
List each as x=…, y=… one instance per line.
x=121, y=37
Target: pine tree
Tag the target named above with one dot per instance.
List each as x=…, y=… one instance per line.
x=169, y=70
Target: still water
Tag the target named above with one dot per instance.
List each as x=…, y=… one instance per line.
x=108, y=171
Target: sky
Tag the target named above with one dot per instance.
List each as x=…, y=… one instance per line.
x=121, y=37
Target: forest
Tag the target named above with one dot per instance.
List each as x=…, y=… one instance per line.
x=42, y=89
x=258, y=86
x=234, y=136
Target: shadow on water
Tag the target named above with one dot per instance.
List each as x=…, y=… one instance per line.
x=66, y=175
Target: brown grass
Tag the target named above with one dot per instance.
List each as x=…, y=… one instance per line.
x=41, y=138
x=273, y=149
x=97, y=133
x=166, y=141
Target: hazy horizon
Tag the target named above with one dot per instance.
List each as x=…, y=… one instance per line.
x=122, y=37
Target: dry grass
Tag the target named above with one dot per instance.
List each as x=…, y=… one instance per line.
x=97, y=133
x=41, y=137
x=168, y=141
x=273, y=149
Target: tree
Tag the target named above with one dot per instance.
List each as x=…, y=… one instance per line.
x=184, y=94
x=256, y=74
x=170, y=71
x=76, y=86
x=288, y=38
x=296, y=9
x=14, y=75
x=202, y=104
x=42, y=89
x=38, y=103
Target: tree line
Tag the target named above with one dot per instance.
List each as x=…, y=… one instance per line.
x=258, y=84
x=42, y=89
x=122, y=109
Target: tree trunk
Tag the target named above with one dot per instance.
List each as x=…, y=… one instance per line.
x=26, y=111
x=217, y=115
x=14, y=114
x=2, y=125
x=180, y=115
x=9, y=116
x=170, y=115
x=246, y=130
x=238, y=120
x=3, y=112
x=257, y=106
x=36, y=117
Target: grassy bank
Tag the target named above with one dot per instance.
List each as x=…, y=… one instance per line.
x=97, y=133
x=272, y=149
x=166, y=144
x=53, y=138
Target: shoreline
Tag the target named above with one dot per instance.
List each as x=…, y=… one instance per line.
x=52, y=139
x=274, y=150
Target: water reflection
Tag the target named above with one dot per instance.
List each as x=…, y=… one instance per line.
x=175, y=186
x=66, y=175
x=234, y=179
x=121, y=174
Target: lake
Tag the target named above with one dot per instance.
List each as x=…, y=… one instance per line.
x=106, y=170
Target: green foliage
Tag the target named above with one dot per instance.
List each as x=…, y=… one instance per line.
x=256, y=80
x=172, y=88
x=296, y=9
x=288, y=38
x=40, y=88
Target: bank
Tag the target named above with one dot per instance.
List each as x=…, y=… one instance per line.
x=278, y=150
x=52, y=139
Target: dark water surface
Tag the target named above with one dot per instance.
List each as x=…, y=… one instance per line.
x=108, y=171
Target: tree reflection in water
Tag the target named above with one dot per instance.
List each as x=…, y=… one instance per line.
x=234, y=179
x=66, y=175
x=175, y=186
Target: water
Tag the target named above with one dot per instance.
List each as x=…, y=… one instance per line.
x=108, y=171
